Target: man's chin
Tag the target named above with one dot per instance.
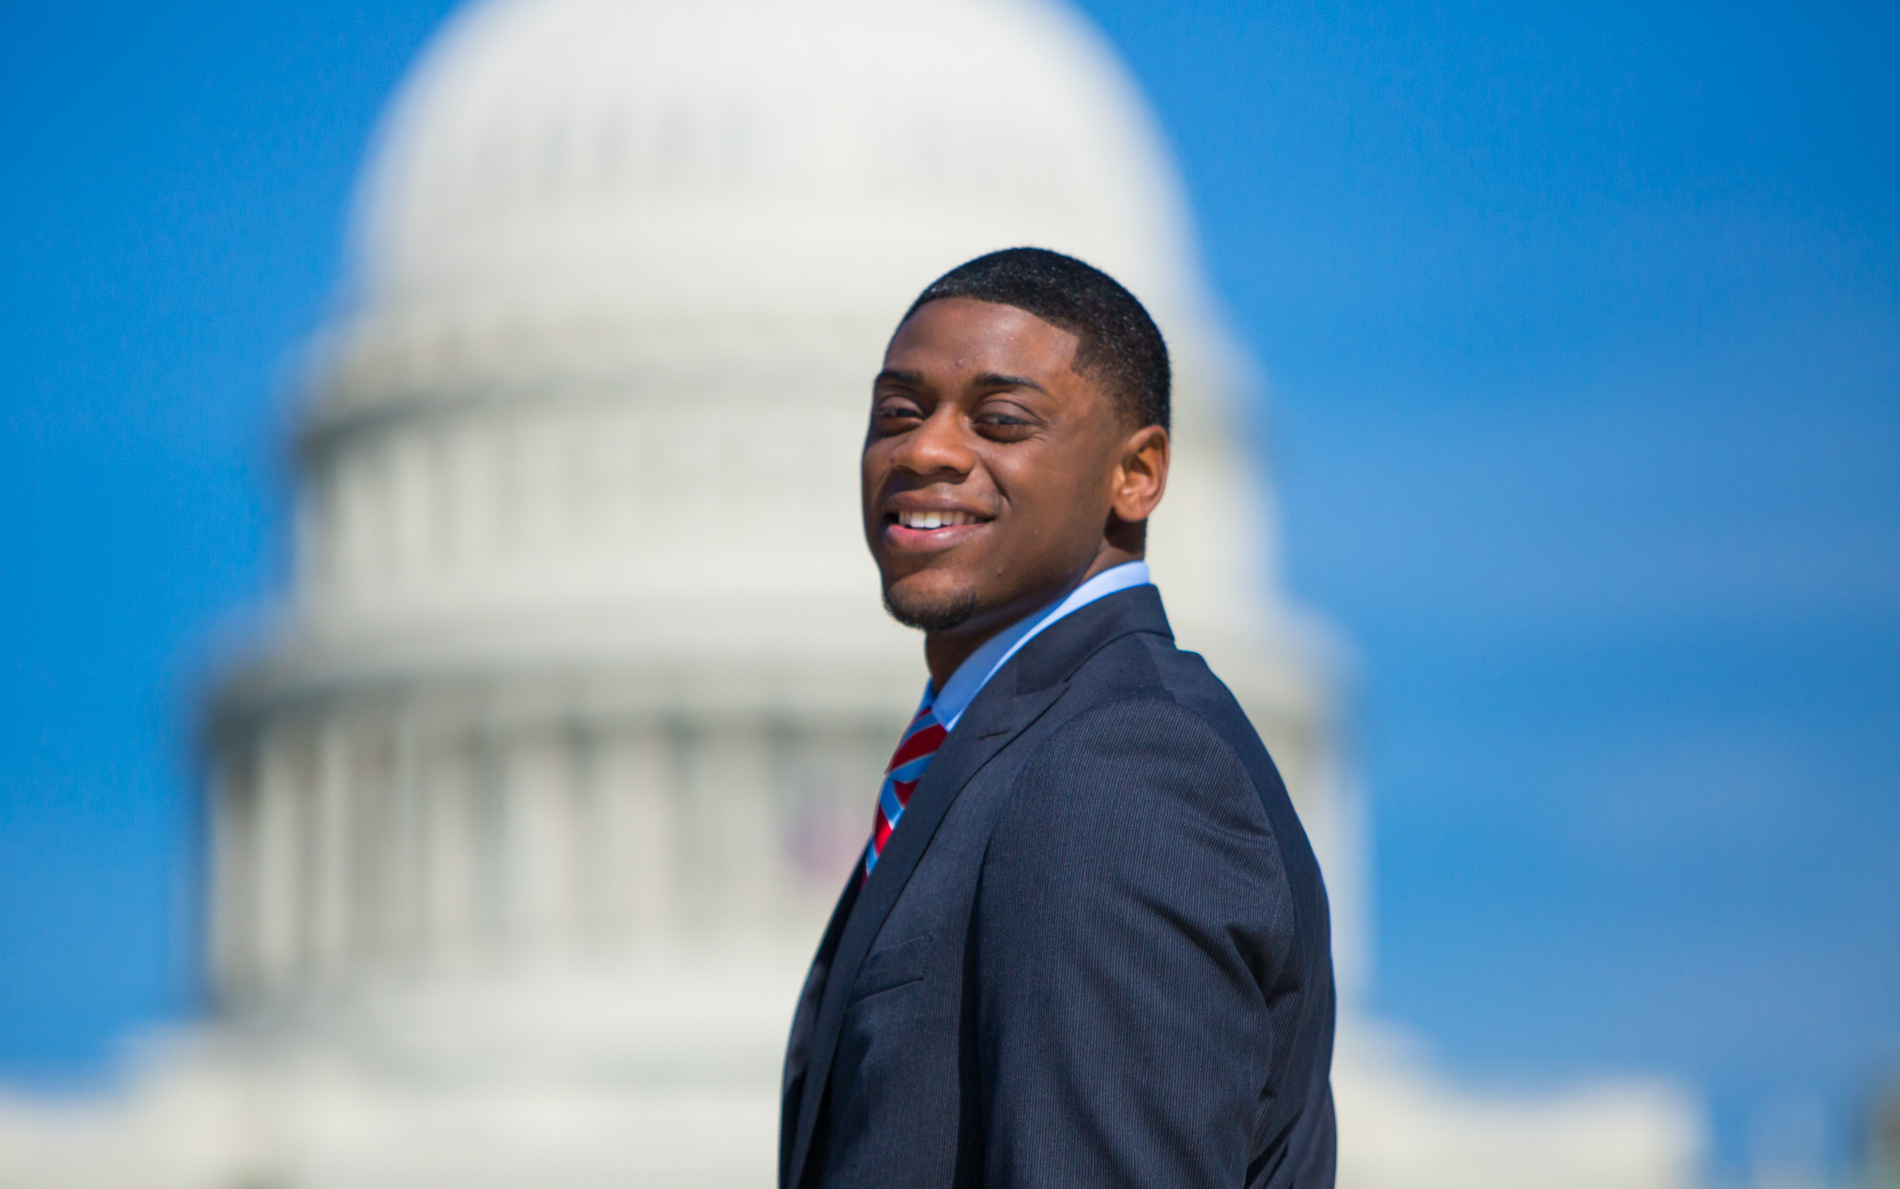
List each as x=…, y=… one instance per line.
x=930, y=611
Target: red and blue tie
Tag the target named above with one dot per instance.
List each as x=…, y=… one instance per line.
x=920, y=742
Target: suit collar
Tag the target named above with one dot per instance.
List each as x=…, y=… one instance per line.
x=1032, y=682
x=1056, y=654
x=949, y=703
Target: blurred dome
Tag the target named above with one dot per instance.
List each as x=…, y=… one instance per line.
x=578, y=499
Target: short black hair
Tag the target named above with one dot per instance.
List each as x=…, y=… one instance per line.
x=1119, y=346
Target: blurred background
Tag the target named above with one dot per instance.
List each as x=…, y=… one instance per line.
x=1578, y=332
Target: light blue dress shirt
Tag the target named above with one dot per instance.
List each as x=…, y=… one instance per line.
x=975, y=673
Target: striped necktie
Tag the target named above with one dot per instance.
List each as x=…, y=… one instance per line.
x=920, y=742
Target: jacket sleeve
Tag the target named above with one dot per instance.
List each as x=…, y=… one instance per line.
x=1130, y=925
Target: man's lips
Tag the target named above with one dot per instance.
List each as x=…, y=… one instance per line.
x=930, y=529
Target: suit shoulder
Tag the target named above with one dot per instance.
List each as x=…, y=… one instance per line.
x=1143, y=700
x=1148, y=667
x=1192, y=685
x=1137, y=800
x=1137, y=747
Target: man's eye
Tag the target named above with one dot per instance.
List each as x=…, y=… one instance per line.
x=896, y=412
x=1002, y=424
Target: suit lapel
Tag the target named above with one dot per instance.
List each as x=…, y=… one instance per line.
x=1033, y=681
x=798, y=1051
x=991, y=723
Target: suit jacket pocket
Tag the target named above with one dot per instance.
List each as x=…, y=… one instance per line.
x=893, y=966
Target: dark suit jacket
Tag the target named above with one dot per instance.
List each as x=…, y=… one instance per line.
x=1094, y=952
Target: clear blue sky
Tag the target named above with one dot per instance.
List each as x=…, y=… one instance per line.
x=1583, y=328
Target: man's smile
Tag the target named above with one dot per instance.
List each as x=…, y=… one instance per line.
x=949, y=519
x=928, y=529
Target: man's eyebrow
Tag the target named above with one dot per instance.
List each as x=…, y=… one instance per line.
x=986, y=380
x=993, y=380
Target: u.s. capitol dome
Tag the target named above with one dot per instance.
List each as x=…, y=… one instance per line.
x=577, y=469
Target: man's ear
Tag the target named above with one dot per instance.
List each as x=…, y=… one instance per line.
x=1141, y=475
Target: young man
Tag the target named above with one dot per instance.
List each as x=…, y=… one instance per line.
x=1087, y=945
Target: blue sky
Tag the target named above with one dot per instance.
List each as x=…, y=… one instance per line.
x=1583, y=331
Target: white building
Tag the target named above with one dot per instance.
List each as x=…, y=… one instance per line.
x=529, y=803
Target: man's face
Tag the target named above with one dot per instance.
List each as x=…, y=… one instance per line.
x=990, y=468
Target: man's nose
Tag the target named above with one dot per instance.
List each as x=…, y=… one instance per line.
x=936, y=446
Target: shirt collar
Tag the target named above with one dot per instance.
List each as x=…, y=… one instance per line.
x=975, y=673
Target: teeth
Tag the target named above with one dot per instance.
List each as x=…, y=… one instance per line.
x=929, y=520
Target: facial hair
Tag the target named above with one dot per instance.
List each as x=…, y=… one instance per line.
x=932, y=615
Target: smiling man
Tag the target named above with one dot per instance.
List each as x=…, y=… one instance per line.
x=1087, y=945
